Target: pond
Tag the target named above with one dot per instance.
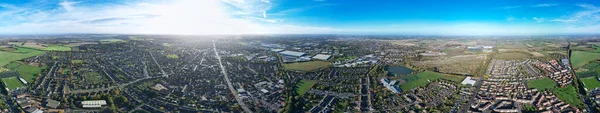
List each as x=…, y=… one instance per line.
x=398, y=70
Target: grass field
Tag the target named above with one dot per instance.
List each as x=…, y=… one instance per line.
x=304, y=86
x=93, y=78
x=420, y=79
x=7, y=57
x=569, y=95
x=580, y=58
x=27, y=72
x=23, y=50
x=12, y=83
x=172, y=56
x=76, y=61
x=106, y=41
x=307, y=66
x=57, y=48
x=512, y=56
x=541, y=84
x=590, y=83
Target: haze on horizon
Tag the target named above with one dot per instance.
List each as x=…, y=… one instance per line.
x=206, y=17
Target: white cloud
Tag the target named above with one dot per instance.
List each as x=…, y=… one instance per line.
x=544, y=5
x=67, y=5
x=510, y=18
x=539, y=20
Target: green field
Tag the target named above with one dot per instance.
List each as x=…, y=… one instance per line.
x=12, y=83
x=172, y=56
x=93, y=78
x=76, y=61
x=27, y=72
x=7, y=57
x=420, y=79
x=541, y=84
x=307, y=66
x=57, y=48
x=590, y=83
x=23, y=50
x=304, y=86
x=569, y=95
x=106, y=41
x=580, y=58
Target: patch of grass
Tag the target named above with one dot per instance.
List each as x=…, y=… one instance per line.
x=591, y=65
x=12, y=83
x=93, y=78
x=580, y=58
x=166, y=44
x=7, y=57
x=76, y=61
x=569, y=95
x=420, y=79
x=172, y=56
x=590, y=83
x=304, y=86
x=106, y=41
x=57, y=48
x=541, y=84
x=307, y=66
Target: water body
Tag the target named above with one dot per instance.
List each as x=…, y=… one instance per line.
x=399, y=70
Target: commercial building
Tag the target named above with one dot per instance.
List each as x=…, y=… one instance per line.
x=468, y=80
x=93, y=103
x=322, y=57
x=292, y=53
x=391, y=85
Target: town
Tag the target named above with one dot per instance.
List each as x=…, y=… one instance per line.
x=298, y=73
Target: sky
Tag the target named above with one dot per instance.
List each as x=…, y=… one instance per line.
x=389, y=17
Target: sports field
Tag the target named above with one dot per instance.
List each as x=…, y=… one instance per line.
x=421, y=79
x=590, y=83
x=7, y=57
x=12, y=83
x=541, y=84
x=27, y=72
x=307, y=66
x=580, y=58
x=57, y=48
x=304, y=86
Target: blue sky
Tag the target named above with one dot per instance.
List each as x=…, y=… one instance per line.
x=401, y=17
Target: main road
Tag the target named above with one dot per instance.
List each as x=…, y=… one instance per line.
x=237, y=97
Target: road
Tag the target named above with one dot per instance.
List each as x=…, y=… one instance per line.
x=235, y=94
x=159, y=67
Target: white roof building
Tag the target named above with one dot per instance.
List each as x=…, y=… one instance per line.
x=322, y=57
x=93, y=103
x=468, y=80
x=292, y=53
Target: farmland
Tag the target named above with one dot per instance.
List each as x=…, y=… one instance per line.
x=57, y=48
x=580, y=58
x=106, y=41
x=7, y=57
x=462, y=64
x=307, y=66
x=512, y=56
